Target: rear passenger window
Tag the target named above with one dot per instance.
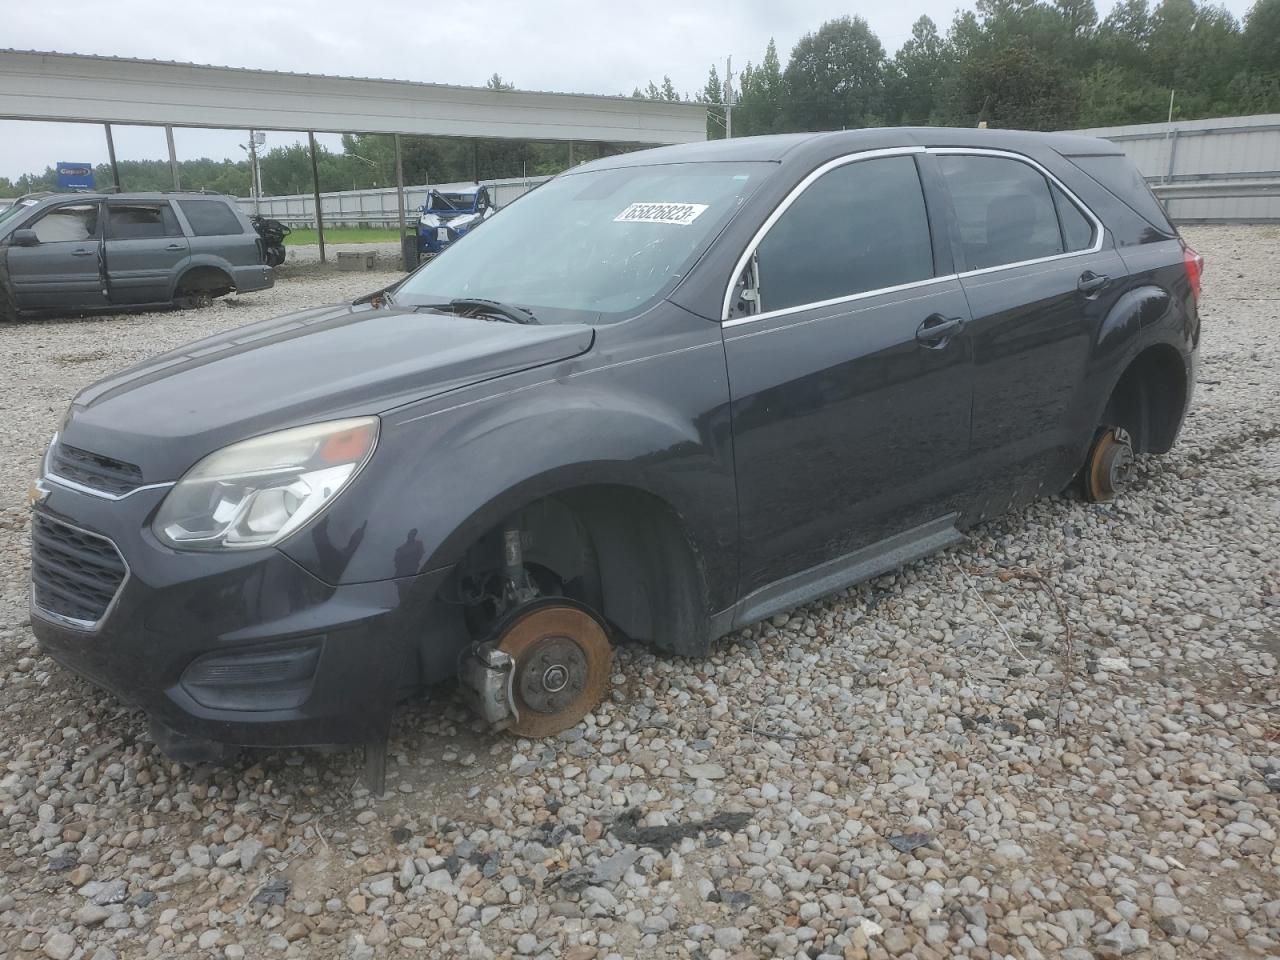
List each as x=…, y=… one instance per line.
x=1004, y=209
x=1077, y=230
x=211, y=218
x=141, y=221
x=860, y=227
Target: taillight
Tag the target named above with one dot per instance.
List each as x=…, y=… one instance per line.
x=1195, y=267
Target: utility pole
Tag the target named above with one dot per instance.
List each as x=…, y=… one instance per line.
x=255, y=182
x=728, y=98
x=252, y=172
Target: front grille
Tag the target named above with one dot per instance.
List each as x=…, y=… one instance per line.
x=105, y=474
x=74, y=575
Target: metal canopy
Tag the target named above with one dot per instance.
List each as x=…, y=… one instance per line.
x=72, y=87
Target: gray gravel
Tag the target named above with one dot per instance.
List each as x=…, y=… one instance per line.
x=1061, y=739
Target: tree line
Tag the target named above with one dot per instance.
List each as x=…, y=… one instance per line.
x=1028, y=64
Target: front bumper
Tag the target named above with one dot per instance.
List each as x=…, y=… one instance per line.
x=244, y=648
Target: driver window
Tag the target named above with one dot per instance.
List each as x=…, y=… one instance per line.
x=71, y=223
x=857, y=228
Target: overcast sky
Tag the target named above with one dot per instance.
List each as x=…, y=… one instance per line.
x=571, y=46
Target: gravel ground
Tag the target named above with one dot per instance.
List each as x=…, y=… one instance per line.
x=1060, y=739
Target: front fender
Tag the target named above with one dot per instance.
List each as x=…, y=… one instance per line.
x=442, y=479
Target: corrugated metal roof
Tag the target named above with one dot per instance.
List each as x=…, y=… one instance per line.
x=40, y=85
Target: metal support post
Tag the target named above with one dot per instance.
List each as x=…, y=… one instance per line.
x=315, y=190
x=111, y=155
x=173, y=157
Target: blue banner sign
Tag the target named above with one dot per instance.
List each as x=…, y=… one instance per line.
x=75, y=176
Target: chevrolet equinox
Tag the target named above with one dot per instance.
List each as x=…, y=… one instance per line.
x=663, y=396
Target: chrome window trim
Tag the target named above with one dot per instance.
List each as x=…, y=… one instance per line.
x=85, y=626
x=880, y=291
x=1099, y=230
x=49, y=475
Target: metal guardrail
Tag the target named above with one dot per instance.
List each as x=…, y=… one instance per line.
x=1206, y=189
x=378, y=206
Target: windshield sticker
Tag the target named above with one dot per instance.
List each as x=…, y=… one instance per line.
x=680, y=214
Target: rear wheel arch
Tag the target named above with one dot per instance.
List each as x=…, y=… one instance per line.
x=1149, y=399
x=203, y=279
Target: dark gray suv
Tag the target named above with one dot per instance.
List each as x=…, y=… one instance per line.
x=88, y=251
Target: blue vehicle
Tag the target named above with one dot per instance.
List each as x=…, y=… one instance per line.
x=446, y=216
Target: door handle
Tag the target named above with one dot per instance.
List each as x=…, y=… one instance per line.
x=174, y=246
x=1091, y=283
x=82, y=252
x=936, y=330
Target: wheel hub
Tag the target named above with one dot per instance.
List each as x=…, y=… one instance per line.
x=552, y=673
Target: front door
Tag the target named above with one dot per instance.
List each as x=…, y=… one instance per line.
x=1039, y=280
x=850, y=376
x=144, y=246
x=62, y=270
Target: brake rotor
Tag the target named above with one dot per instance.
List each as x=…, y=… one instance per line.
x=562, y=661
x=1110, y=465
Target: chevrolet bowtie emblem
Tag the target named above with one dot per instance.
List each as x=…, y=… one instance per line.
x=36, y=493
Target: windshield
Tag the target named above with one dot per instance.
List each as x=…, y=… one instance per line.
x=450, y=201
x=16, y=208
x=590, y=247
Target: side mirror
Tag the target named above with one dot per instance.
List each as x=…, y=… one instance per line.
x=25, y=238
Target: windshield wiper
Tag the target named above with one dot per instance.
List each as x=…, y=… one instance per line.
x=496, y=308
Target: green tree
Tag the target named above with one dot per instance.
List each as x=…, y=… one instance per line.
x=497, y=83
x=1016, y=87
x=835, y=78
x=763, y=95
x=1260, y=44
x=713, y=96
x=921, y=71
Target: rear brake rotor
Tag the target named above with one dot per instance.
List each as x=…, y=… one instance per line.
x=1110, y=465
x=562, y=661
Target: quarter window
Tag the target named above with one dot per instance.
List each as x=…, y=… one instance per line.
x=141, y=221
x=75, y=222
x=859, y=227
x=1077, y=231
x=211, y=218
x=1004, y=210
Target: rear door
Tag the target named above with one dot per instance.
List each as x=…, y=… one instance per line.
x=144, y=248
x=61, y=272
x=1040, y=276
x=851, y=382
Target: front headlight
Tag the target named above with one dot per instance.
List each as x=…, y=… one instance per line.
x=257, y=492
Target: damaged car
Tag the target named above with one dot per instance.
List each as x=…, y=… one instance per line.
x=662, y=397
x=448, y=216
x=86, y=252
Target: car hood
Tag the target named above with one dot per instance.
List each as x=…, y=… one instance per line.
x=169, y=411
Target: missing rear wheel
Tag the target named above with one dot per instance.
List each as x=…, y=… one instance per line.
x=1109, y=466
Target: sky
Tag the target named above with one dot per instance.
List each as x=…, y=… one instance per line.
x=569, y=46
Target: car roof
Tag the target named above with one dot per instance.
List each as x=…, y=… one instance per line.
x=778, y=147
x=140, y=195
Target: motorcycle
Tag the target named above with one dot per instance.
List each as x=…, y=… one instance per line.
x=272, y=233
